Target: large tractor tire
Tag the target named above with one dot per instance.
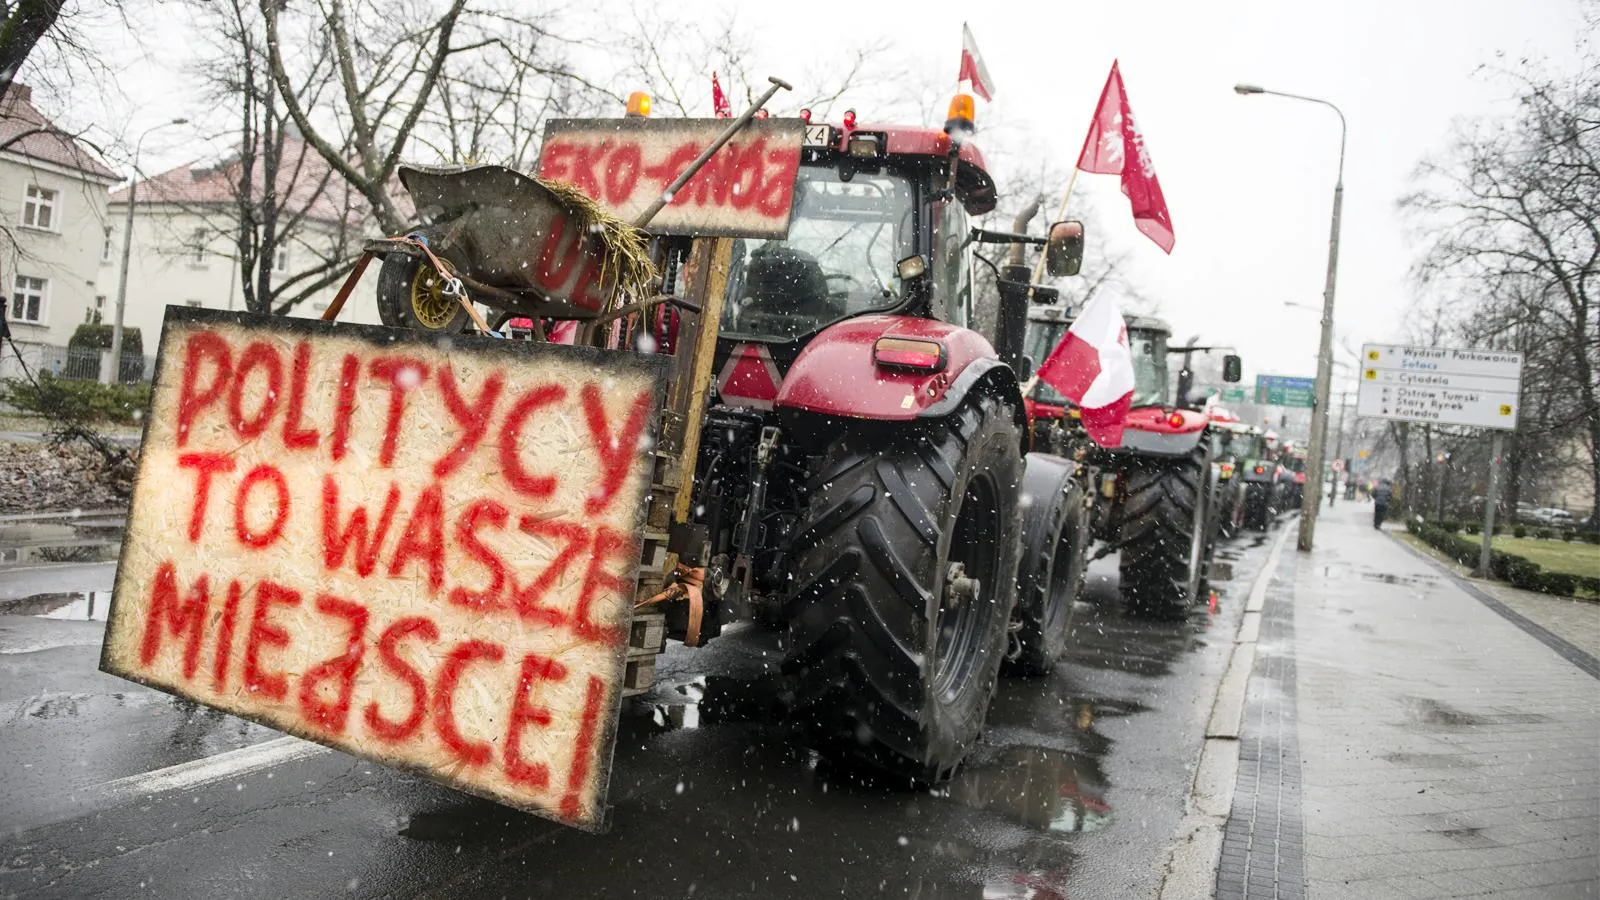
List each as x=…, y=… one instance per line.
x=411, y=295
x=905, y=571
x=1258, y=507
x=1164, y=535
x=1054, y=557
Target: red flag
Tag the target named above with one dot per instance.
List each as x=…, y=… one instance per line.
x=719, y=100
x=973, y=70
x=1113, y=142
x=1093, y=367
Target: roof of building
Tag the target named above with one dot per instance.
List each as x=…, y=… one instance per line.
x=26, y=132
x=304, y=179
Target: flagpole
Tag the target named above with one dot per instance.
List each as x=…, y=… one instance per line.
x=1061, y=211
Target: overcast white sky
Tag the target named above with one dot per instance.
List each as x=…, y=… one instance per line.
x=1249, y=180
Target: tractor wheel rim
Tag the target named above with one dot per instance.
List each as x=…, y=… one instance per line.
x=432, y=307
x=960, y=627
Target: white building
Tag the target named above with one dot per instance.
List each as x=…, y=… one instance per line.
x=185, y=241
x=53, y=216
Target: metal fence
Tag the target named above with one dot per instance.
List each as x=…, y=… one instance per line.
x=72, y=363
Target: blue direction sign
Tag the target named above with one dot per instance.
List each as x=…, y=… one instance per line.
x=1285, y=390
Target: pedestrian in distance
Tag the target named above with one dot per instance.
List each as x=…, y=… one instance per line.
x=1381, y=495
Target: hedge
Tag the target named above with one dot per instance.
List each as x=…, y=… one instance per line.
x=1515, y=570
x=84, y=402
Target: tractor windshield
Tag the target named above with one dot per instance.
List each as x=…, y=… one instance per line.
x=1244, y=445
x=845, y=238
x=1149, y=362
x=1149, y=367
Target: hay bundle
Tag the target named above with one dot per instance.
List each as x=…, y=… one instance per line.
x=626, y=248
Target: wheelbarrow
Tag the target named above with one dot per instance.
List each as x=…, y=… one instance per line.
x=511, y=242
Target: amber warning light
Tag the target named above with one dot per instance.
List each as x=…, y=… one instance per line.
x=638, y=105
x=905, y=353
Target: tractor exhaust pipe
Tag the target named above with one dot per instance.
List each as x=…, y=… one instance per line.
x=1011, y=324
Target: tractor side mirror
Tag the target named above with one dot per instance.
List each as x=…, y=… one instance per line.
x=1232, y=368
x=1025, y=368
x=1063, y=250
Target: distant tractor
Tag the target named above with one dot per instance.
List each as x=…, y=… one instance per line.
x=1158, y=496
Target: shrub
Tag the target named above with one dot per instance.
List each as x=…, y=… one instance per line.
x=1520, y=531
x=1450, y=525
x=1499, y=529
x=1591, y=537
x=59, y=399
x=1542, y=534
x=98, y=337
x=1567, y=535
x=1472, y=528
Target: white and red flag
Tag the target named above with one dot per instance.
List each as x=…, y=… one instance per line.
x=1093, y=367
x=973, y=71
x=1114, y=146
x=719, y=100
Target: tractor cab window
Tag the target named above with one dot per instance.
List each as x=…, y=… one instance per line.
x=845, y=238
x=952, y=284
x=1243, y=445
x=1149, y=350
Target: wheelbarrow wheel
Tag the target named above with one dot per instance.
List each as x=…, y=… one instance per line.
x=411, y=295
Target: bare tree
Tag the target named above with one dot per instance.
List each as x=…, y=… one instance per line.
x=1513, y=215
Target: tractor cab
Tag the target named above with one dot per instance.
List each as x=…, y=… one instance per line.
x=879, y=227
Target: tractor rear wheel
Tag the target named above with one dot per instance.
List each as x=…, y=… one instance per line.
x=1050, y=573
x=905, y=571
x=1164, y=538
x=411, y=295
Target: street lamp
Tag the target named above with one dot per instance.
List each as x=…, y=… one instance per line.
x=115, y=375
x=1319, y=430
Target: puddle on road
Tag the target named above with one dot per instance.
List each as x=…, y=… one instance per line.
x=71, y=539
x=1386, y=578
x=76, y=606
x=1051, y=790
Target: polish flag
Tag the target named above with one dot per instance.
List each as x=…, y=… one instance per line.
x=973, y=70
x=1093, y=367
x=1114, y=146
x=719, y=100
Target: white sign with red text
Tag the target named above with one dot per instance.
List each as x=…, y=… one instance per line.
x=745, y=190
x=420, y=553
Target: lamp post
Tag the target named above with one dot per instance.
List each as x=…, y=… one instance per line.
x=1312, y=500
x=115, y=375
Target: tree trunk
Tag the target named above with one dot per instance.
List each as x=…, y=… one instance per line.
x=25, y=22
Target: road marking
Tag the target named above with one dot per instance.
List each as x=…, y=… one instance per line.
x=210, y=769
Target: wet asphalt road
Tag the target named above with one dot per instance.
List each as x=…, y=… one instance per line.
x=1076, y=789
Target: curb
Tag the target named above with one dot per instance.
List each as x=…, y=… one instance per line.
x=1190, y=866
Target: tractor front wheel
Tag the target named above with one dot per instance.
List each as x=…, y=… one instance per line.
x=1050, y=573
x=1164, y=535
x=905, y=570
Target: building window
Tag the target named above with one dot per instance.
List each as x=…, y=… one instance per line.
x=39, y=209
x=106, y=249
x=194, y=303
x=197, y=246
x=280, y=260
x=94, y=315
x=28, y=300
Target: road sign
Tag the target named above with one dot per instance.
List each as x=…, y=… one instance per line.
x=1363, y=453
x=1443, y=386
x=1284, y=390
x=1235, y=395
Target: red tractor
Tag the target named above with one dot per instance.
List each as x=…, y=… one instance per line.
x=1158, y=496
x=858, y=452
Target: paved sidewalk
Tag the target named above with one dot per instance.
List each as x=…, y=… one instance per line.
x=1402, y=739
